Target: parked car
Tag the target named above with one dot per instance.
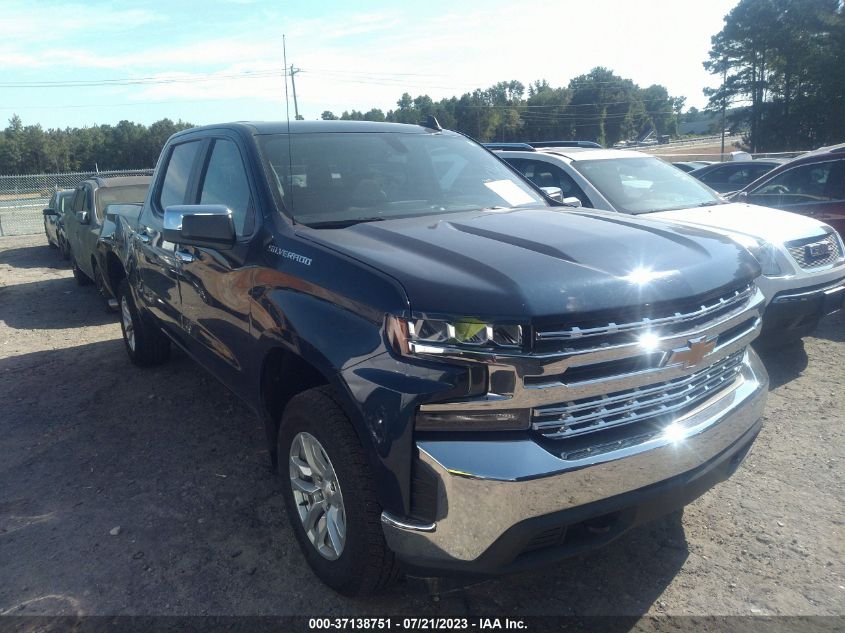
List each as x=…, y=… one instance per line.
x=399, y=307
x=54, y=220
x=82, y=226
x=802, y=259
x=812, y=184
x=689, y=165
x=734, y=175
x=538, y=144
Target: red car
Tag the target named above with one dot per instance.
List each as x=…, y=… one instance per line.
x=812, y=184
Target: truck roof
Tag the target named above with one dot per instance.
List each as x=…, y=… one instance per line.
x=311, y=127
x=120, y=181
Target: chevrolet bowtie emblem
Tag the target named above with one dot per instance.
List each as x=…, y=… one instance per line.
x=693, y=353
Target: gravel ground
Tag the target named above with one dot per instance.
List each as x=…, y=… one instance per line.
x=147, y=492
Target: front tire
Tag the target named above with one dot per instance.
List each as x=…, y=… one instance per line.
x=145, y=343
x=330, y=496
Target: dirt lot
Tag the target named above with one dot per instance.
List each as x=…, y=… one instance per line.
x=89, y=443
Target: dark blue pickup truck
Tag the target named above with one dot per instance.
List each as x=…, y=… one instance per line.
x=455, y=377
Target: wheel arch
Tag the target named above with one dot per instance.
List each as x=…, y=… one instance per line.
x=115, y=273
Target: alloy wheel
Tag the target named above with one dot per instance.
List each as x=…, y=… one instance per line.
x=128, y=326
x=316, y=491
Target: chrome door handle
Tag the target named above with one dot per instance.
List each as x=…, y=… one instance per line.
x=184, y=256
x=143, y=238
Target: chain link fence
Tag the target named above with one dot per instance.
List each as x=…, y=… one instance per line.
x=22, y=198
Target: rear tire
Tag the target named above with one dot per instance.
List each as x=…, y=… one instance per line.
x=364, y=564
x=144, y=342
x=81, y=278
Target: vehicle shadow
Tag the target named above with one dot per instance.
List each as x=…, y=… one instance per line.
x=52, y=303
x=40, y=256
x=624, y=578
x=784, y=363
x=832, y=328
x=181, y=467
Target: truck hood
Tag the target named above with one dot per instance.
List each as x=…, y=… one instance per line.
x=522, y=264
x=773, y=225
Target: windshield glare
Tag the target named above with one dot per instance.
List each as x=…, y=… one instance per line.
x=644, y=185
x=342, y=178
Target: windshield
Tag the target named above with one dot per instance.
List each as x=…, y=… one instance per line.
x=644, y=185
x=338, y=179
x=127, y=194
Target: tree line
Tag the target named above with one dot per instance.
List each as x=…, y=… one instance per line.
x=29, y=149
x=786, y=58
x=598, y=106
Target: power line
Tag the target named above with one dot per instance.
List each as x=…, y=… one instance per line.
x=143, y=80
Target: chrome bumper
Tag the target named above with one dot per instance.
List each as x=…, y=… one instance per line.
x=488, y=486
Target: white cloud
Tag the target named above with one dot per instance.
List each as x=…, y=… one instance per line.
x=352, y=60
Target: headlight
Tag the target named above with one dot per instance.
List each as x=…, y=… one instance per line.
x=764, y=252
x=435, y=336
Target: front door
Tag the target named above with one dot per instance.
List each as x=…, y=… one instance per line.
x=214, y=283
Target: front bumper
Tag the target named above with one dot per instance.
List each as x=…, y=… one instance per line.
x=796, y=313
x=507, y=504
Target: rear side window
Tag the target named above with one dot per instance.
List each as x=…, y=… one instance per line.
x=720, y=174
x=174, y=189
x=225, y=183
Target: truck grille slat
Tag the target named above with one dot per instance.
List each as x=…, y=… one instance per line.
x=708, y=310
x=616, y=409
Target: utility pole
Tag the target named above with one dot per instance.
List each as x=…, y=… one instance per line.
x=724, y=103
x=293, y=72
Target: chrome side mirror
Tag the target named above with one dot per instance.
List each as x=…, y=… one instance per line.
x=203, y=225
x=572, y=202
x=555, y=193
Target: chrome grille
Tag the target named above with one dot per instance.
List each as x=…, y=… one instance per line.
x=802, y=251
x=589, y=415
x=666, y=323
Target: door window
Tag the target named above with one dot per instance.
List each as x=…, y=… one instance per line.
x=77, y=199
x=87, y=202
x=545, y=174
x=225, y=182
x=174, y=189
x=815, y=182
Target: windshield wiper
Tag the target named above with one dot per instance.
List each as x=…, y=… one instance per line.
x=712, y=203
x=342, y=224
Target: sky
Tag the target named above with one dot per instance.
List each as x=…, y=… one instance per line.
x=206, y=61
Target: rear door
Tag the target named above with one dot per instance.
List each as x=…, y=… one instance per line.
x=215, y=283
x=158, y=269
